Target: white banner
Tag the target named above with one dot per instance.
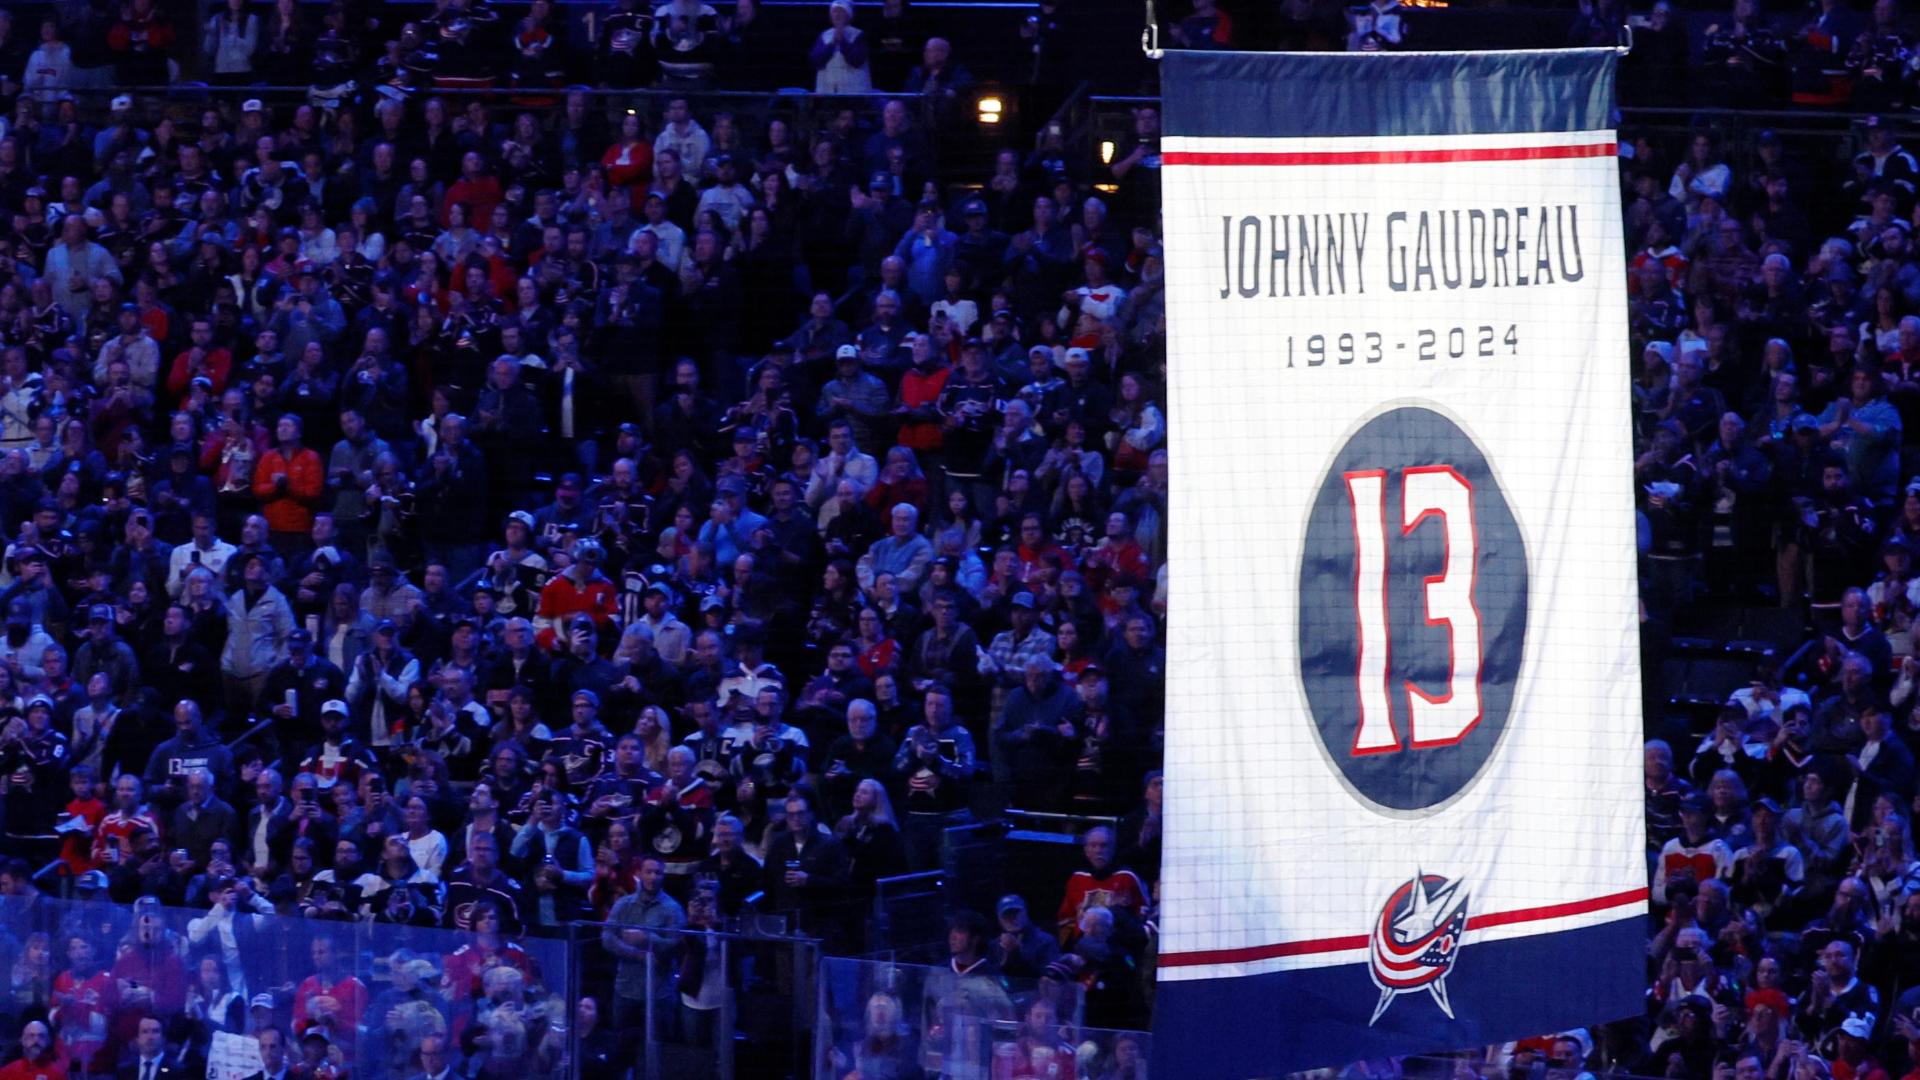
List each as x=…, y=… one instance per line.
x=1403, y=682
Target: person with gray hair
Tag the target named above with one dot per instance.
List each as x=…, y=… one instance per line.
x=904, y=553
x=1035, y=735
x=201, y=818
x=864, y=752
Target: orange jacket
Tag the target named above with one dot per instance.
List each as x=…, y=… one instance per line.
x=290, y=510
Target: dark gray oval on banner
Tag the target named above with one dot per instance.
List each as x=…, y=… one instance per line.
x=1411, y=778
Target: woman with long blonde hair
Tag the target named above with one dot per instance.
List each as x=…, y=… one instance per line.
x=871, y=837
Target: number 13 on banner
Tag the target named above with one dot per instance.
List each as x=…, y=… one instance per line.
x=1433, y=719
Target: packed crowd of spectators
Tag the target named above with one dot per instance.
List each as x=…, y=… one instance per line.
x=1777, y=348
x=490, y=514
x=485, y=515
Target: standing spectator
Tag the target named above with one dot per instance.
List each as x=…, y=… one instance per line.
x=49, y=70
x=74, y=265
x=201, y=818
x=936, y=765
x=641, y=932
x=259, y=621
x=929, y=251
x=232, y=36
x=289, y=482
x=684, y=136
x=139, y=41
x=839, y=54
x=806, y=866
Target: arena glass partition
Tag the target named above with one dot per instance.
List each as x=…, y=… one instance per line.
x=696, y=1004
x=886, y=1019
x=346, y=996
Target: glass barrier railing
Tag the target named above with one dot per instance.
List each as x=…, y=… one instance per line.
x=1039, y=1046
x=230, y=990
x=889, y=1021
x=688, y=1003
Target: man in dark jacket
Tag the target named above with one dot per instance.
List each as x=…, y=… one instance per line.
x=1022, y=950
x=806, y=870
x=201, y=819
x=176, y=667
x=105, y=652
x=295, y=690
x=1035, y=732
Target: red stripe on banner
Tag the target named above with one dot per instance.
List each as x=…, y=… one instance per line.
x=1556, y=911
x=1393, y=157
x=1359, y=941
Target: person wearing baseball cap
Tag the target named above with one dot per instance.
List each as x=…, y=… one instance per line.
x=297, y=687
x=1021, y=949
x=379, y=682
x=580, y=590
x=671, y=637
x=928, y=250
x=105, y=652
x=853, y=395
x=339, y=757
x=586, y=744
x=511, y=570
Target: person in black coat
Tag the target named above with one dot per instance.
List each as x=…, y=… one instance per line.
x=871, y=839
x=1883, y=766
x=176, y=668
x=735, y=874
x=806, y=867
x=147, y=1058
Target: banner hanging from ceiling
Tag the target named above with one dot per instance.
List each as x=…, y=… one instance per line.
x=1403, y=799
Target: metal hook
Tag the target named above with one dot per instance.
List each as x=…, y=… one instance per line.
x=1150, y=37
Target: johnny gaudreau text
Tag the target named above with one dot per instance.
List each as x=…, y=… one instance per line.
x=1275, y=256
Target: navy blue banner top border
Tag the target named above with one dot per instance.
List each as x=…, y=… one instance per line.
x=1301, y=95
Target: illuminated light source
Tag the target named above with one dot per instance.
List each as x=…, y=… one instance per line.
x=1106, y=152
x=991, y=109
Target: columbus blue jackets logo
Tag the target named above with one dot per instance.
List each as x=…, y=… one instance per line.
x=1416, y=940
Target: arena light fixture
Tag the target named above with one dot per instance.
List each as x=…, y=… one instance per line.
x=991, y=108
x=1106, y=151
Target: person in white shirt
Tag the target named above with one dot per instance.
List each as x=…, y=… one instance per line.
x=424, y=843
x=1766, y=698
x=205, y=549
x=19, y=401
x=217, y=925
x=839, y=56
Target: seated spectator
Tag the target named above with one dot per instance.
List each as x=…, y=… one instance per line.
x=1102, y=884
